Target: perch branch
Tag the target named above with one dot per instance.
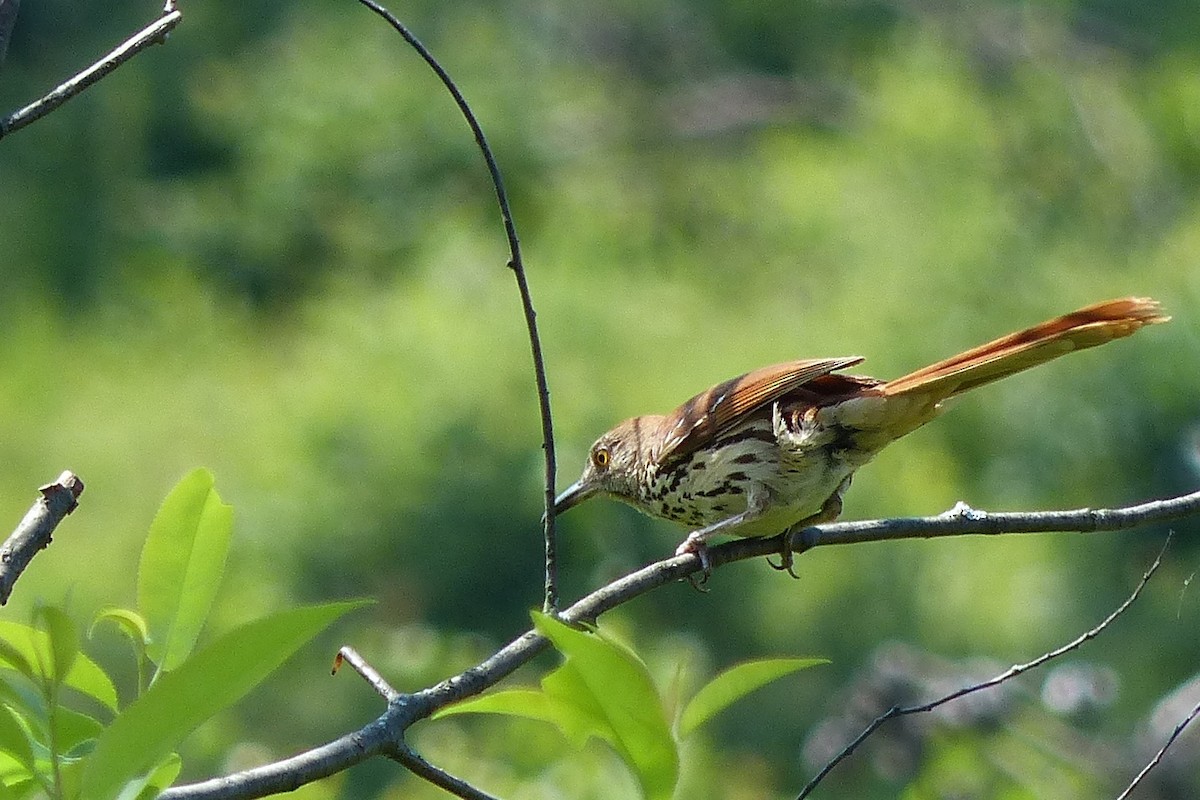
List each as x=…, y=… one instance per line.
x=33, y=533
x=385, y=735
x=515, y=263
x=154, y=33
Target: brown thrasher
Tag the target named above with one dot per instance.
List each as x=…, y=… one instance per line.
x=773, y=450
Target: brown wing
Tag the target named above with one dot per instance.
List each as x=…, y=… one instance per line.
x=697, y=421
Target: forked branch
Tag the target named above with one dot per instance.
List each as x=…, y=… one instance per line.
x=385, y=736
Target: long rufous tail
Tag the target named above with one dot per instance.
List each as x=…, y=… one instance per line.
x=1019, y=351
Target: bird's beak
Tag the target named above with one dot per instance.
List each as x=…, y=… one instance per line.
x=574, y=494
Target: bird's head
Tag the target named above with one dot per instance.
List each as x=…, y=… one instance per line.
x=615, y=464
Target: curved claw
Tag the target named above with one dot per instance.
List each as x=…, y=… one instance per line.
x=696, y=546
x=787, y=557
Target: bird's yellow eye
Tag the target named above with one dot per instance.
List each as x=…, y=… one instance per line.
x=601, y=457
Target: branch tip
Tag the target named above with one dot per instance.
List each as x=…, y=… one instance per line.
x=368, y=673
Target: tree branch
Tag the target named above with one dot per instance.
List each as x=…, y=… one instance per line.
x=368, y=673
x=421, y=767
x=1008, y=674
x=152, y=34
x=385, y=735
x=1153, y=762
x=33, y=533
x=515, y=263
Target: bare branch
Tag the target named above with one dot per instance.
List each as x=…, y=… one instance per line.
x=152, y=34
x=368, y=673
x=453, y=785
x=550, y=603
x=385, y=735
x=962, y=520
x=1011, y=672
x=292, y=773
x=1183, y=723
x=33, y=533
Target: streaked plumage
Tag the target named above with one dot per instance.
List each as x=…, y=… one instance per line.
x=774, y=449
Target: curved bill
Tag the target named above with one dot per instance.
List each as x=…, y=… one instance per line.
x=573, y=495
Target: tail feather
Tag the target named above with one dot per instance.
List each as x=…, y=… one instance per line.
x=1019, y=351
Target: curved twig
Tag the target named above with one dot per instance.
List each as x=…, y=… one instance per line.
x=515, y=263
x=386, y=733
x=1008, y=674
x=33, y=533
x=1162, y=751
x=155, y=33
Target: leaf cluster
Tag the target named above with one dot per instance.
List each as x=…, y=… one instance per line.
x=63, y=732
x=603, y=690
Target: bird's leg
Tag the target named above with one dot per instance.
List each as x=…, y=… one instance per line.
x=697, y=541
x=830, y=511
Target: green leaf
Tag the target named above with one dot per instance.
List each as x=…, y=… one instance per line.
x=734, y=684
x=31, y=647
x=14, y=738
x=605, y=681
x=152, y=726
x=87, y=677
x=19, y=790
x=162, y=776
x=128, y=621
x=133, y=625
x=15, y=656
x=181, y=567
x=587, y=717
x=72, y=729
x=524, y=703
x=63, y=639
x=150, y=785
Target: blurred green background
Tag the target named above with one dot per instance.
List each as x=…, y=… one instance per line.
x=270, y=248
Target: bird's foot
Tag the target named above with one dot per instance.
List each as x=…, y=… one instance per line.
x=787, y=556
x=696, y=545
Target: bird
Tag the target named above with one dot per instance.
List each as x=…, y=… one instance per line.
x=773, y=451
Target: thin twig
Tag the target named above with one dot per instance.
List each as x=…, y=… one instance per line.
x=1183, y=723
x=371, y=675
x=33, y=533
x=154, y=33
x=438, y=777
x=518, y=267
x=382, y=735
x=1011, y=672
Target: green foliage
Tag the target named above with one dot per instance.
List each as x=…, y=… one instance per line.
x=735, y=683
x=604, y=690
x=146, y=732
x=181, y=567
x=269, y=247
x=79, y=743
